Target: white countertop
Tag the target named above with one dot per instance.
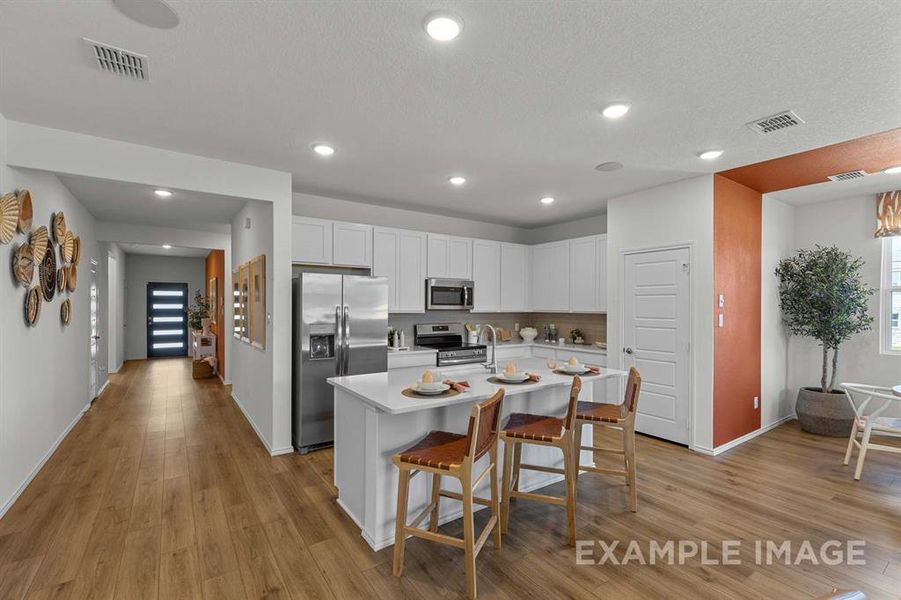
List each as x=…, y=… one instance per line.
x=383, y=390
x=412, y=350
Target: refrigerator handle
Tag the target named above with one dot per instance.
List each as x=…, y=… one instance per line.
x=346, y=351
x=339, y=354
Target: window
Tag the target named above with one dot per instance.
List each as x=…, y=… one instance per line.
x=891, y=300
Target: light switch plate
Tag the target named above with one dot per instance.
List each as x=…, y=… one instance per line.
x=719, y=321
x=756, y=402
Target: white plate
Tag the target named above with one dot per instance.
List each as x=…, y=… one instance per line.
x=580, y=370
x=430, y=392
x=518, y=378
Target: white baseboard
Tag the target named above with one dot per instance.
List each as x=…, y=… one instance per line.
x=101, y=390
x=269, y=449
x=10, y=501
x=741, y=440
x=282, y=450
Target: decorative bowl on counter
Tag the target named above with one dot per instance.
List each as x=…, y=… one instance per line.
x=528, y=334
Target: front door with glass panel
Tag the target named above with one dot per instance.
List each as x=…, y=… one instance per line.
x=167, y=319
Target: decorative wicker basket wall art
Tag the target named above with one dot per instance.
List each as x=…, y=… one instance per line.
x=59, y=227
x=65, y=311
x=26, y=213
x=33, y=306
x=76, y=255
x=23, y=264
x=9, y=217
x=67, y=247
x=48, y=276
x=61, y=280
x=40, y=242
x=71, y=277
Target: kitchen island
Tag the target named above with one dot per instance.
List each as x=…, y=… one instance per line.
x=374, y=421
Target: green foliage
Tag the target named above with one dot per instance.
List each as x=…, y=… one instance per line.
x=822, y=295
x=575, y=334
x=198, y=311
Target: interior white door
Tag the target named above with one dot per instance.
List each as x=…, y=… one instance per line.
x=94, y=381
x=656, y=336
x=112, y=314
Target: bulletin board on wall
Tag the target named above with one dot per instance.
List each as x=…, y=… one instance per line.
x=249, y=293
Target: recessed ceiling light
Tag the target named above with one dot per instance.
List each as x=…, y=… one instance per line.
x=167, y=246
x=162, y=193
x=457, y=180
x=152, y=13
x=443, y=27
x=547, y=200
x=615, y=111
x=609, y=166
x=710, y=154
x=323, y=149
x=892, y=170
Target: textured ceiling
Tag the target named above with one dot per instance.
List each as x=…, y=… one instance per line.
x=512, y=103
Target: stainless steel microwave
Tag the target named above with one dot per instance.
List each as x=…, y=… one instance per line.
x=448, y=294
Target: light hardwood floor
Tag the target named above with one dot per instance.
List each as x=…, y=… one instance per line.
x=163, y=491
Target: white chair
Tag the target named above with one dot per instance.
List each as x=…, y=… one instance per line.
x=868, y=422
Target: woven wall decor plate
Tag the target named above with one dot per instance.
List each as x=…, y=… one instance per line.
x=26, y=214
x=33, y=306
x=23, y=264
x=61, y=280
x=67, y=247
x=76, y=255
x=48, y=276
x=59, y=227
x=9, y=217
x=40, y=242
x=65, y=311
x=71, y=278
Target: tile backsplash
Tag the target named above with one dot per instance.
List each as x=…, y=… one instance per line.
x=593, y=326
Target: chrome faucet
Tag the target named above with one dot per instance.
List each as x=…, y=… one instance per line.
x=491, y=366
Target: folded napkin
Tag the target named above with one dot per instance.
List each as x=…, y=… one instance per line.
x=534, y=376
x=593, y=369
x=459, y=386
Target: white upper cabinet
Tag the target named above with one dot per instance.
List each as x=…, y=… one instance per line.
x=551, y=277
x=515, y=275
x=486, y=276
x=449, y=257
x=588, y=273
x=400, y=255
x=351, y=245
x=311, y=241
x=323, y=242
x=602, y=273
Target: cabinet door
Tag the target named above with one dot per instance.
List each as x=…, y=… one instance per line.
x=311, y=241
x=411, y=272
x=550, y=277
x=486, y=275
x=602, y=273
x=352, y=244
x=584, y=274
x=385, y=258
x=437, y=256
x=514, y=277
x=459, y=258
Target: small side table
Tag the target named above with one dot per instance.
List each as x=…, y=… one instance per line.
x=203, y=346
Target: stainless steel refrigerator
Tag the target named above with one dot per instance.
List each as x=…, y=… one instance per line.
x=340, y=328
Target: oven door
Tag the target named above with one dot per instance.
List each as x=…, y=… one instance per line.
x=448, y=294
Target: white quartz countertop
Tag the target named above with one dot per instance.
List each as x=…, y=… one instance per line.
x=383, y=390
x=412, y=350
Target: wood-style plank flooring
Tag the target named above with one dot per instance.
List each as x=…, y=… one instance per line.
x=163, y=491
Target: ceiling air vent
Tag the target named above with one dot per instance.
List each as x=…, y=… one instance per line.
x=775, y=122
x=118, y=61
x=847, y=176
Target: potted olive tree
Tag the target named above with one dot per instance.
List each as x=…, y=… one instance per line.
x=822, y=295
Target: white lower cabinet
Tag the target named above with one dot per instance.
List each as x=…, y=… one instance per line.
x=402, y=360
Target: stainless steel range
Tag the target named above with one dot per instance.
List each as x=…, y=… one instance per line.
x=448, y=339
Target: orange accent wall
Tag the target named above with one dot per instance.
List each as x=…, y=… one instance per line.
x=737, y=222
x=215, y=267
x=872, y=153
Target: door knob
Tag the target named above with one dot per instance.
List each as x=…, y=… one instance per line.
x=627, y=350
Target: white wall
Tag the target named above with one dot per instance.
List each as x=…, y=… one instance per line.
x=44, y=370
x=569, y=230
x=777, y=401
x=140, y=269
x=848, y=224
x=110, y=289
x=676, y=213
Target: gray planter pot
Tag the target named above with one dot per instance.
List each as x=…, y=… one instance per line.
x=824, y=414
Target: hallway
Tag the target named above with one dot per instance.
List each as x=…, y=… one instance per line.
x=163, y=491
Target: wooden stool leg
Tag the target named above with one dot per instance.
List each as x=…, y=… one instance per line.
x=517, y=460
x=569, y=477
x=864, y=442
x=436, y=499
x=577, y=449
x=495, y=500
x=629, y=447
x=469, y=535
x=403, y=486
x=851, y=442
x=505, y=486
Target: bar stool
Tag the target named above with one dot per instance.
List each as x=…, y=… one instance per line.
x=451, y=454
x=614, y=416
x=523, y=428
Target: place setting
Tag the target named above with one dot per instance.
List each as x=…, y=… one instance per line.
x=430, y=384
x=511, y=375
x=573, y=367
